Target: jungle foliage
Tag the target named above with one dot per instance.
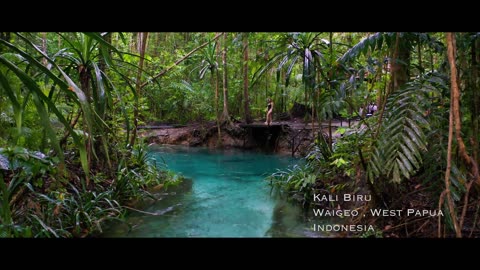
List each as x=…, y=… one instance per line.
x=70, y=105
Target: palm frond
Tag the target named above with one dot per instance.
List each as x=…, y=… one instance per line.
x=362, y=47
x=402, y=143
x=258, y=74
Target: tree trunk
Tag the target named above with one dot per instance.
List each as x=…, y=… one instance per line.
x=476, y=98
x=156, y=41
x=399, y=74
x=142, y=42
x=451, y=50
x=225, y=115
x=217, y=93
x=85, y=86
x=214, y=84
x=419, y=52
x=284, y=92
x=133, y=41
x=400, y=64
x=267, y=79
x=452, y=120
x=85, y=81
x=455, y=128
x=248, y=118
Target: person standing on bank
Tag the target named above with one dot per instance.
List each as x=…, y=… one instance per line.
x=269, y=111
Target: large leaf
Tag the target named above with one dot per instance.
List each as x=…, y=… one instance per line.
x=362, y=47
x=38, y=97
x=35, y=89
x=100, y=100
x=82, y=99
x=17, y=108
x=34, y=61
x=105, y=47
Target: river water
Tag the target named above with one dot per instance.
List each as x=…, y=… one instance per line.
x=227, y=196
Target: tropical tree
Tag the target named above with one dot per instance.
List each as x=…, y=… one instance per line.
x=299, y=48
x=246, y=99
x=225, y=115
x=142, y=45
x=72, y=73
x=209, y=63
x=406, y=123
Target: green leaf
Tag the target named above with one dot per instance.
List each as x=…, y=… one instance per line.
x=396, y=174
x=415, y=128
x=406, y=162
x=100, y=99
x=38, y=97
x=44, y=226
x=380, y=42
x=35, y=89
x=394, y=127
x=403, y=169
x=408, y=154
x=289, y=71
x=259, y=73
x=398, y=149
x=372, y=45
x=17, y=108
x=370, y=175
x=123, y=110
x=415, y=138
x=360, y=48
x=122, y=37
x=413, y=148
x=33, y=61
x=388, y=166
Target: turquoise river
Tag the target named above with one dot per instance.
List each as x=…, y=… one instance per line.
x=227, y=196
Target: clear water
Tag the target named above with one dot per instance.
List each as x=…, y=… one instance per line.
x=226, y=197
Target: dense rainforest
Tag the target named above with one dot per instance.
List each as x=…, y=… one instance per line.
x=72, y=156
